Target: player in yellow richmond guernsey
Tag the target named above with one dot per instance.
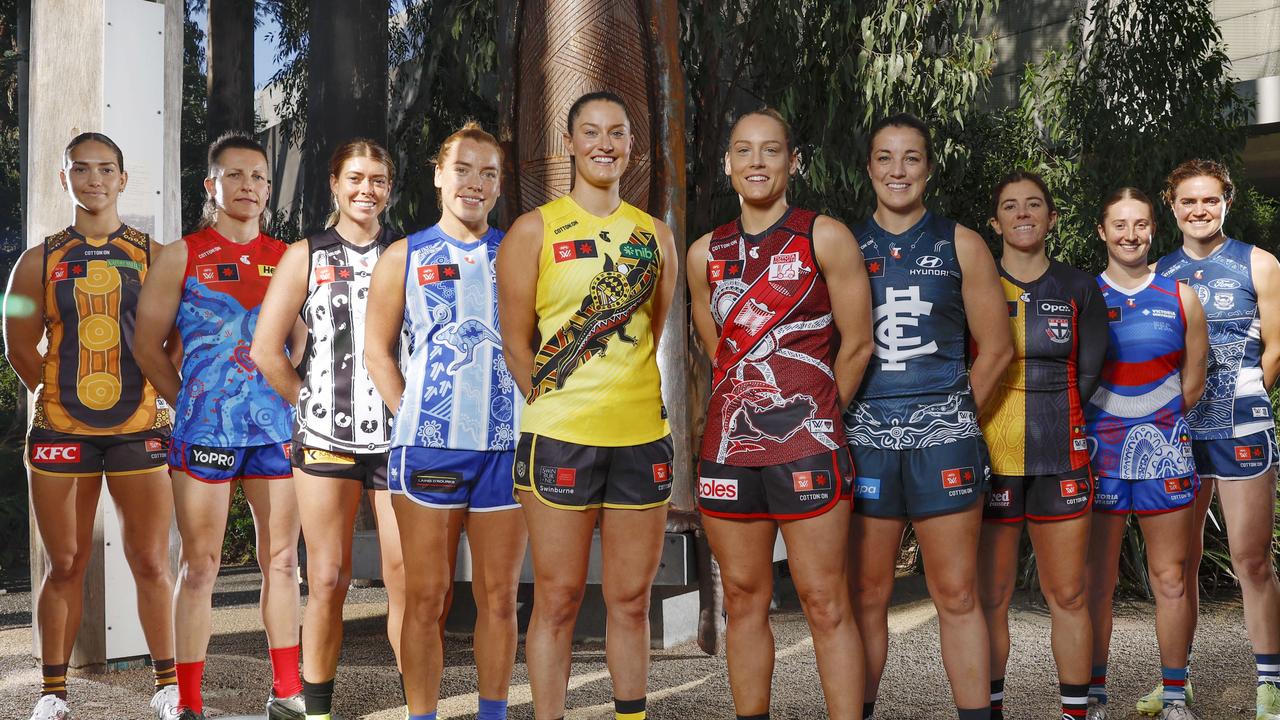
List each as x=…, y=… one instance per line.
x=584, y=285
x=95, y=414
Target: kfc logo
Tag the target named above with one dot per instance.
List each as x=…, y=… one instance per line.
x=57, y=453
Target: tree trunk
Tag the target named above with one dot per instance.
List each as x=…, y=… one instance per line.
x=230, y=67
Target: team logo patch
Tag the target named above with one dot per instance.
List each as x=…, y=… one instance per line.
x=208, y=457
x=220, y=272
x=662, y=473
x=957, y=477
x=68, y=271
x=154, y=445
x=810, y=480
x=436, y=481
x=820, y=425
x=1071, y=488
x=1260, y=412
x=718, y=270
x=1115, y=313
x=431, y=274
x=1173, y=486
x=315, y=456
x=55, y=453
x=1224, y=301
x=1079, y=444
x=565, y=251
x=566, y=477
x=333, y=273
x=288, y=449
x=718, y=488
x=875, y=267
x=1248, y=452
x=1059, y=329
x=266, y=270
x=785, y=266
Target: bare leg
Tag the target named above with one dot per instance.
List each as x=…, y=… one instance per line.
x=276, y=527
x=997, y=573
x=632, y=548
x=1106, y=533
x=202, y=520
x=64, y=513
x=744, y=549
x=392, y=565
x=145, y=504
x=1249, y=507
x=1062, y=549
x=873, y=550
x=1167, y=536
x=327, y=509
x=497, y=542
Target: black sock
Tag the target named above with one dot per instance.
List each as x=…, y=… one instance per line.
x=317, y=697
x=761, y=716
x=868, y=709
x=983, y=713
x=997, y=699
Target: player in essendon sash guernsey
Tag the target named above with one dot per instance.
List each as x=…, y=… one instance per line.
x=780, y=297
x=341, y=428
x=434, y=352
x=1140, y=441
x=230, y=424
x=585, y=282
x=94, y=415
x=1036, y=434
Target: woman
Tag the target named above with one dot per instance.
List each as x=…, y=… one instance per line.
x=774, y=455
x=913, y=426
x=230, y=425
x=1155, y=368
x=584, y=284
x=1034, y=428
x=454, y=435
x=1233, y=436
x=78, y=290
x=342, y=429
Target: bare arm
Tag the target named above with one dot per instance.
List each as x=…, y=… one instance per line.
x=382, y=324
x=157, y=310
x=1266, y=282
x=24, y=317
x=983, y=303
x=1195, y=358
x=277, y=321
x=846, y=275
x=700, y=296
x=667, y=280
x=517, y=270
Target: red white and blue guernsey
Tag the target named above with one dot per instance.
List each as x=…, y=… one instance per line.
x=1140, y=440
x=1232, y=425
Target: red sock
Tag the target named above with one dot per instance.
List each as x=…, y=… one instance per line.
x=285, y=677
x=189, y=676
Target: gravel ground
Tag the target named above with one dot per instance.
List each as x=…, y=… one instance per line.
x=684, y=682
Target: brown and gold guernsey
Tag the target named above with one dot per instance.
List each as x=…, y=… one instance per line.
x=90, y=384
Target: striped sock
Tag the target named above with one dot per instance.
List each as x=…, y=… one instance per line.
x=492, y=709
x=997, y=699
x=1175, y=685
x=1268, y=668
x=1098, y=684
x=629, y=709
x=190, y=674
x=54, y=681
x=869, y=709
x=165, y=674
x=1075, y=701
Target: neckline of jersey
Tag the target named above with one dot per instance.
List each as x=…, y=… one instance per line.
x=71, y=229
x=250, y=243
x=754, y=238
x=1025, y=285
x=378, y=240
x=484, y=240
x=914, y=228
x=616, y=211
x=1151, y=276
x=1216, y=251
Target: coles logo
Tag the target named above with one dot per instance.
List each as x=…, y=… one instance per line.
x=957, y=477
x=662, y=473
x=718, y=488
x=211, y=458
x=55, y=452
x=566, y=477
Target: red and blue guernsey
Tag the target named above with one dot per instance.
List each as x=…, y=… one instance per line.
x=1135, y=418
x=224, y=401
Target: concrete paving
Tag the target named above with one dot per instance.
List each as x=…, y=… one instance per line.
x=684, y=682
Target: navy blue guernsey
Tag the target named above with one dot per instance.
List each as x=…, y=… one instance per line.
x=915, y=392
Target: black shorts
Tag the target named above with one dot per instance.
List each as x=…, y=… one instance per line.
x=800, y=489
x=50, y=452
x=1014, y=498
x=568, y=476
x=369, y=468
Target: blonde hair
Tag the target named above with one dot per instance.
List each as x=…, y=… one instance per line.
x=354, y=148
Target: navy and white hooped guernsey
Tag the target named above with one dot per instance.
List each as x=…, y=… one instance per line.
x=1235, y=402
x=458, y=394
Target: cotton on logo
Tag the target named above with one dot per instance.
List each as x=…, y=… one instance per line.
x=56, y=452
x=718, y=488
x=900, y=312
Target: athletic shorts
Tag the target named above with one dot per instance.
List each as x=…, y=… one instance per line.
x=800, y=489
x=1236, y=458
x=568, y=476
x=1062, y=496
x=937, y=480
x=369, y=468
x=50, y=452
x=479, y=480
x=219, y=465
x=1144, y=497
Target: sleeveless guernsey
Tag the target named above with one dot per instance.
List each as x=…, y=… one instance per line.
x=458, y=394
x=224, y=401
x=1135, y=416
x=773, y=393
x=1036, y=422
x=915, y=392
x=1235, y=402
x=595, y=378
x=338, y=406
x=90, y=383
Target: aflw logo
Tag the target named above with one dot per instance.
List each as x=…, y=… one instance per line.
x=899, y=313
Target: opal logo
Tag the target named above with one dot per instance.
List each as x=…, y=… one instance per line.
x=929, y=261
x=718, y=488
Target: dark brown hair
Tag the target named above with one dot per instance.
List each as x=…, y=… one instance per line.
x=906, y=120
x=1021, y=176
x=1198, y=168
x=233, y=140
x=1125, y=193
x=604, y=95
x=97, y=137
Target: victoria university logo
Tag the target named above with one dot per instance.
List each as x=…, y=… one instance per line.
x=898, y=316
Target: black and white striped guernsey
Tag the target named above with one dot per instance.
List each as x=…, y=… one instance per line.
x=338, y=407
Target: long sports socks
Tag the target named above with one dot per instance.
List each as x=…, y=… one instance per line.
x=1175, y=685
x=1268, y=668
x=1075, y=701
x=286, y=678
x=492, y=709
x=629, y=709
x=317, y=698
x=997, y=699
x=1098, y=684
x=189, y=677
x=165, y=674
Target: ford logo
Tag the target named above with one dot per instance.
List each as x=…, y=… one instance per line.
x=929, y=261
x=1225, y=284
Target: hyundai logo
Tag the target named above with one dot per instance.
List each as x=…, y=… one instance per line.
x=929, y=261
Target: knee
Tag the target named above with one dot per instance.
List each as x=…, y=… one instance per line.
x=558, y=606
x=826, y=608
x=68, y=566
x=279, y=561
x=745, y=599
x=996, y=594
x=870, y=594
x=1254, y=566
x=149, y=567
x=426, y=604
x=630, y=605
x=200, y=569
x=954, y=598
x=327, y=581
x=1169, y=583
x=498, y=604
x=1067, y=597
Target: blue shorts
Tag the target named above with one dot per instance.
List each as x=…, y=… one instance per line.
x=1115, y=496
x=479, y=480
x=937, y=480
x=219, y=465
x=1241, y=458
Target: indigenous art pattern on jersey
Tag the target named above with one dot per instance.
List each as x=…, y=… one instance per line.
x=90, y=383
x=1135, y=420
x=338, y=406
x=915, y=392
x=224, y=401
x=773, y=396
x=1235, y=402
x=458, y=393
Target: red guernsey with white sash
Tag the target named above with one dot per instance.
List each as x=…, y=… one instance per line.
x=773, y=394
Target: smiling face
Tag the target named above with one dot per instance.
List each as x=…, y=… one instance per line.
x=1127, y=229
x=239, y=183
x=600, y=142
x=92, y=177
x=1023, y=217
x=361, y=189
x=468, y=178
x=1200, y=207
x=899, y=168
x=758, y=162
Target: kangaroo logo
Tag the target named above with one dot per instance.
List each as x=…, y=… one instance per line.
x=462, y=337
x=901, y=310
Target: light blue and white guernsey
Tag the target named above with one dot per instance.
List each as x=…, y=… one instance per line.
x=1235, y=401
x=458, y=394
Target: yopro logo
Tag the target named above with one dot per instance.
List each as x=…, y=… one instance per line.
x=211, y=458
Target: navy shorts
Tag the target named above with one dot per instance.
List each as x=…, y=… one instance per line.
x=370, y=469
x=1062, y=496
x=1240, y=458
x=219, y=465
x=479, y=480
x=936, y=480
x=800, y=489
x=50, y=452
x=569, y=476
x=1115, y=496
